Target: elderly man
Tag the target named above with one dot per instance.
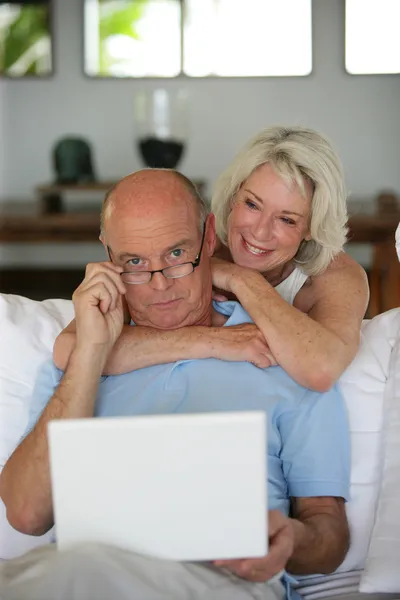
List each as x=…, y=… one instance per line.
x=160, y=239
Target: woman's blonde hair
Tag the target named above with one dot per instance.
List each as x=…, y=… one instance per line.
x=297, y=154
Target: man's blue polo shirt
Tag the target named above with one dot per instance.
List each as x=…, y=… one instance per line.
x=308, y=438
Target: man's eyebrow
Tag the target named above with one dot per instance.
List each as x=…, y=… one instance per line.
x=125, y=255
x=182, y=242
x=285, y=212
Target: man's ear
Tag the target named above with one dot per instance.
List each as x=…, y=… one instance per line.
x=102, y=240
x=211, y=236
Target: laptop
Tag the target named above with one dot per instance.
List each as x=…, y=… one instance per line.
x=179, y=487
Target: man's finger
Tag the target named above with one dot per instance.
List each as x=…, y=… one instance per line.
x=104, y=271
x=114, y=284
x=100, y=296
x=257, y=570
x=105, y=305
x=93, y=268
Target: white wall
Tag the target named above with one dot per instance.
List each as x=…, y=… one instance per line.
x=360, y=114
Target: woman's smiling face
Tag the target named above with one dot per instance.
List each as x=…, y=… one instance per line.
x=268, y=221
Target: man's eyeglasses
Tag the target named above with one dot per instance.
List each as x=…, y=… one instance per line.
x=175, y=272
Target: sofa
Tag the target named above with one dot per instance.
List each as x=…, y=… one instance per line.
x=371, y=388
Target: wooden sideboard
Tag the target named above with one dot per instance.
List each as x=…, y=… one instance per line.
x=375, y=229
x=50, y=228
x=51, y=197
x=84, y=227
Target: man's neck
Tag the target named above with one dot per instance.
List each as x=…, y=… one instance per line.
x=212, y=318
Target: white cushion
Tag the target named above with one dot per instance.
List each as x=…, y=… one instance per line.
x=382, y=572
x=363, y=386
x=28, y=330
x=398, y=240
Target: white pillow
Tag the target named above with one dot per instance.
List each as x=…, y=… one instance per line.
x=363, y=385
x=398, y=240
x=28, y=330
x=382, y=572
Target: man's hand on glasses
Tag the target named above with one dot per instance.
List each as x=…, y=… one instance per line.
x=99, y=305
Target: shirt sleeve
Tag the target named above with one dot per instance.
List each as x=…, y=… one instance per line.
x=315, y=450
x=47, y=380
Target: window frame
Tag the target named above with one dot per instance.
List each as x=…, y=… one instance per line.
x=182, y=76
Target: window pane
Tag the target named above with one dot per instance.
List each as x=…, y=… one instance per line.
x=372, y=36
x=247, y=37
x=25, y=40
x=132, y=38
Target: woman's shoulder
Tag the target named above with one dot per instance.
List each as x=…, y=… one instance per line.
x=343, y=273
x=341, y=267
x=343, y=262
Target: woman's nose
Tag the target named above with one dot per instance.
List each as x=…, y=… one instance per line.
x=262, y=230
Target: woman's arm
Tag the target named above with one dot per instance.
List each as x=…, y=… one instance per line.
x=140, y=347
x=317, y=338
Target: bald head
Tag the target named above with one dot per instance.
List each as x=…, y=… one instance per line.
x=148, y=189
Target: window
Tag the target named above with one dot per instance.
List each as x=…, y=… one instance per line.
x=25, y=39
x=372, y=36
x=197, y=38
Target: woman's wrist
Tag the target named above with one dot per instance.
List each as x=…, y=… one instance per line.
x=244, y=279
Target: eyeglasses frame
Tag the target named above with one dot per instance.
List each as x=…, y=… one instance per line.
x=194, y=264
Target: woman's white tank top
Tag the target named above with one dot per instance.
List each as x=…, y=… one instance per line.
x=290, y=286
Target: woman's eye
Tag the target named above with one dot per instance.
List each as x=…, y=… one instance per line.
x=288, y=221
x=250, y=204
x=177, y=253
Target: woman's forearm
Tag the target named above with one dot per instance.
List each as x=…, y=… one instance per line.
x=140, y=347
x=310, y=353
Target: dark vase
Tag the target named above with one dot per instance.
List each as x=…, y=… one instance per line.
x=161, y=123
x=161, y=154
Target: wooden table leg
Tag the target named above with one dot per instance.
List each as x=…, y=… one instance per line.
x=384, y=279
x=375, y=276
x=51, y=204
x=391, y=279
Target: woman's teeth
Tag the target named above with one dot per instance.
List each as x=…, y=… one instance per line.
x=255, y=250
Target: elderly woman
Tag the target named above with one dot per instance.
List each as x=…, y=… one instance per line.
x=280, y=213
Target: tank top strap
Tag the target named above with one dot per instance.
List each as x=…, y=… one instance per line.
x=289, y=287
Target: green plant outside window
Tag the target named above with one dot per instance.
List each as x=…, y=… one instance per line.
x=25, y=40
